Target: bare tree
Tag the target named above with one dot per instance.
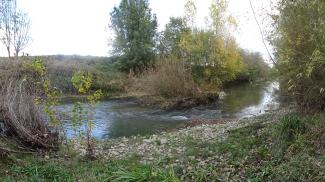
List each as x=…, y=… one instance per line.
x=14, y=27
x=7, y=8
x=21, y=36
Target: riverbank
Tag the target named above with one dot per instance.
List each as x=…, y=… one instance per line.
x=247, y=149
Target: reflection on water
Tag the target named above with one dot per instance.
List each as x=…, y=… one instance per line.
x=249, y=100
x=126, y=118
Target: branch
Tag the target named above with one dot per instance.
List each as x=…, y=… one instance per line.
x=6, y=150
x=261, y=32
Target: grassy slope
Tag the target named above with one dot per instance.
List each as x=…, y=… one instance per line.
x=256, y=149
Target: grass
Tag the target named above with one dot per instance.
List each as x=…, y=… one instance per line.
x=252, y=153
x=35, y=168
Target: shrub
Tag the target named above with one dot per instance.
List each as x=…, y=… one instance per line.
x=294, y=130
x=290, y=126
x=26, y=100
x=169, y=78
x=299, y=43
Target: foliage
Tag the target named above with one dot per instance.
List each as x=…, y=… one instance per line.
x=82, y=82
x=27, y=104
x=190, y=13
x=109, y=78
x=214, y=59
x=290, y=127
x=255, y=67
x=211, y=54
x=299, y=39
x=221, y=20
x=104, y=70
x=52, y=94
x=170, y=38
x=135, y=29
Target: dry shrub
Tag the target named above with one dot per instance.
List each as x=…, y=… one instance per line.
x=169, y=78
x=23, y=118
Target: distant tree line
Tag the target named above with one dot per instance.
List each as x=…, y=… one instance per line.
x=211, y=53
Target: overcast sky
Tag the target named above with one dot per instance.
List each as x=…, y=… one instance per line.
x=79, y=26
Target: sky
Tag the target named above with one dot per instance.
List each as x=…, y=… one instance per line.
x=80, y=26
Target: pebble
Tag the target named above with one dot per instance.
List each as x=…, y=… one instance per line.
x=171, y=144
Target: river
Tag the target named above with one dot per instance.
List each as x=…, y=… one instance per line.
x=118, y=118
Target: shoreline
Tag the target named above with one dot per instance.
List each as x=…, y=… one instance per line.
x=170, y=143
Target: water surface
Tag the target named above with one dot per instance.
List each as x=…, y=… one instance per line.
x=125, y=118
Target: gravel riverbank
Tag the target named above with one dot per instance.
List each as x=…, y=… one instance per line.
x=173, y=144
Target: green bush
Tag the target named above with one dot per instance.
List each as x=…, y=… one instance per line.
x=299, y=48
x=290, y=127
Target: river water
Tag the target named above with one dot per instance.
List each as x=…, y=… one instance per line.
x=126, y=118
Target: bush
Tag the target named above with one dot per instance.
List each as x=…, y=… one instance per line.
x=299, y=43
x=169, y=78
x=26, y=98
x=290, y=127
x=294, y=133
x=105, y=73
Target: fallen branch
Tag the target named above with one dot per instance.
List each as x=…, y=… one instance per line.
x=5, y=150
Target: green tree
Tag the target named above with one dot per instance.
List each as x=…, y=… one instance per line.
x=171, y=36
x=255, y=66
x=300, y=50
x=214, y=59
x=212, y=55
x=135, y=28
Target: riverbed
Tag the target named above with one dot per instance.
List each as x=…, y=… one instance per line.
x=117, y=118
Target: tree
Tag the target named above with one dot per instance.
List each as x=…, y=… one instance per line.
x=14, y=26
x=221, y=22
x=190, y=13
x=255, y=66
x=7, y=10
x=298, y=38
x=171, y=36
x=214, y=59
x=212, y=55
x=135, y=28
x=21, y=38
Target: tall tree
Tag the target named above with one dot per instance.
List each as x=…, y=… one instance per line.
x=135, y=28
x=212, y=54
x=190, y=13
x=171, y=36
